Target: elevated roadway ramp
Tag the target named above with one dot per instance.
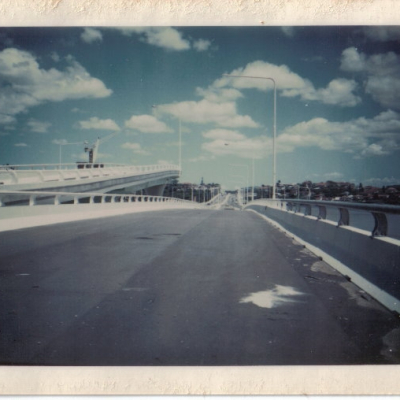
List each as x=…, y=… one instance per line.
x=101, y=178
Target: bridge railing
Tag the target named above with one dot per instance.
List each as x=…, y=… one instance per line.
x=37, y=198
x=379, y=219
x=38, y=173
x=360, y=240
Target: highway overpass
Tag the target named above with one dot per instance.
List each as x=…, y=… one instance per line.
x=87, y=177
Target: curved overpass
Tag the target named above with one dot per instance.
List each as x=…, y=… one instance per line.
x=85, y=177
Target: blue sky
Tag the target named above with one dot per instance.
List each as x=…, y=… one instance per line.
x=338, y=100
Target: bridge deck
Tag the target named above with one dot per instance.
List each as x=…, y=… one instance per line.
x=181, y=287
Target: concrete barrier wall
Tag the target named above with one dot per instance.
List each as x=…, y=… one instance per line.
x=18, y=217
x=375, y=259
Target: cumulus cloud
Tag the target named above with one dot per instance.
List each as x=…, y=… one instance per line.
x=165, y=37
x=147, y=124
x=381, y=72
x=231, y=142
x=205, y=111
x=24, y=84
x=332, y=176
x=215, y=95
x=96, y=123
x=256, y=147
x=338, y=92
x=55, y=57
x=201, y=45
x=20, y=145
x=352, y=60
x=38, y=126
x=6, y=119
x=91, y=35
x=224, y=134
x=386, y=181
x=382, y=33
x=136, y=148
x=361, y=137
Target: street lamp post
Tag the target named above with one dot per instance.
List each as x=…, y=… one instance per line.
x=273, y=143
x=180, y=149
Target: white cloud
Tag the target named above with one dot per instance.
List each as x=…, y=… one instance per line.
x=91, y=35
x=332, y=176
x=96, y=123
x=135, y=147
x=201, y=44
x=387, y=181
x=382, y=73
x=38, y=126
x=55, y=57
x=25, y=84
x=352, y=60
x=361, y=137
x=147, y=124
x=6, y=119
x=241, y=146
x=216, y=95
x=165, y=37
x=224, y=134
x=338, y=92
x=20, y=145
x=382, y=33
x=285, y=78
x=205, y=111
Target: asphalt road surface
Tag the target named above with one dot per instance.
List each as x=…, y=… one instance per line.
x=181, y=287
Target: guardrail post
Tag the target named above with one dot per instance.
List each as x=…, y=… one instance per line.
x=322, y=212
x=76, y=201
x=32, y=200
x=307, y=209
x=381, y=224
x=91, y=198
x=56, y=200
x=344, y=218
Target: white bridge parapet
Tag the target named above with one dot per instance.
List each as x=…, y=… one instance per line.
x=45, y=208
x=40, y=173
x=360, y=240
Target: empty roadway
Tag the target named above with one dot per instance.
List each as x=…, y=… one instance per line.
x=181, y=287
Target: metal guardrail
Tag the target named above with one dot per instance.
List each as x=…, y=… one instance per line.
x=38, y=173
x=379, y=212
x=59, y=198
